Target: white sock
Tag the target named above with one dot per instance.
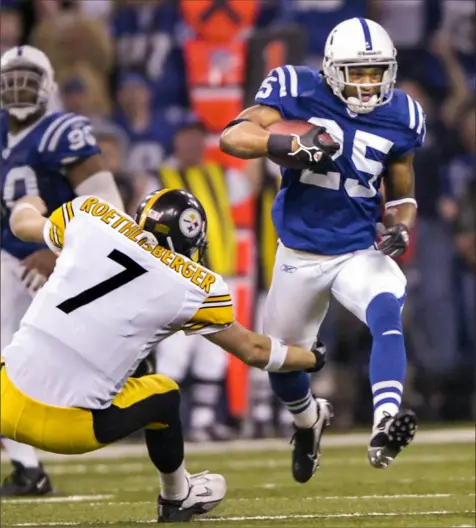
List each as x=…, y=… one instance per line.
x=174, y=486
x=381, y=410
x=307, y=418
x=22, y=453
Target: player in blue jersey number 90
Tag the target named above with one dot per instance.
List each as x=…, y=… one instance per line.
x=326, y=215
x=49, y=154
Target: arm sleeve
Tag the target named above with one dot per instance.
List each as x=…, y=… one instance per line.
x=68, y=140
x=215, y=313
x=57, y=223
x=103, y=185
x=282, y=87
x=414, y=129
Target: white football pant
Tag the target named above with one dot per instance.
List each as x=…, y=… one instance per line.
x=15, y=297
x=179, y=354
x=15, y=300
x=303, y=283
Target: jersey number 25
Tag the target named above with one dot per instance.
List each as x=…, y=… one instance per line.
x=362, y=140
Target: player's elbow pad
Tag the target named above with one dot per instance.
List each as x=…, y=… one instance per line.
x=103, y=186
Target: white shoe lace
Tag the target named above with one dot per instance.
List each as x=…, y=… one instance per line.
x=196, y=476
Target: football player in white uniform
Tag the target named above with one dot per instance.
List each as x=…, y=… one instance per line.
x=53, y=155
x=120, y=287
x=326, y=215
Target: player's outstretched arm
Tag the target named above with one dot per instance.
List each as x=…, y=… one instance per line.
x=265, y=352
x=27, y=221
x=246, y=137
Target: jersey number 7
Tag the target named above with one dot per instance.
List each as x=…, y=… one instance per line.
x=132, y=271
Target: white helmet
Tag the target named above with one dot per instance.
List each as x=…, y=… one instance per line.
x=359, y=42
x=27, y=81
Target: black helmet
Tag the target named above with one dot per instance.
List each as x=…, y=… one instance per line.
x=176, y=219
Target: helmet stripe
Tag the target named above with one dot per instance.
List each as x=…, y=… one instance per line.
x=149, y=205
x=367, y=37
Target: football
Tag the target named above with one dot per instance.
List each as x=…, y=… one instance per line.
x=292, y=127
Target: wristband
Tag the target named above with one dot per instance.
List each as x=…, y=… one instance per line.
x=280, y=145
x=396, y=203
x=277, y=356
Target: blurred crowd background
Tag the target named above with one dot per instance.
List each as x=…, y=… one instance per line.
x=161, y=78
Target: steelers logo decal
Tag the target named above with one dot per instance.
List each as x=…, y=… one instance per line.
x=190, y=222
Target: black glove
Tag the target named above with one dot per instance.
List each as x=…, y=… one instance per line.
x=311, y=151
x=394, y=240
x=312, y=148
x=319, y=350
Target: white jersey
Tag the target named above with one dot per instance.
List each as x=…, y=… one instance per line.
x=113, y=295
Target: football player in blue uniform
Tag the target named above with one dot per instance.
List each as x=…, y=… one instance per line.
x=327, y=215
x=54, y=156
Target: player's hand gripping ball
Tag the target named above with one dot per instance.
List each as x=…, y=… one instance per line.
x=309, y=144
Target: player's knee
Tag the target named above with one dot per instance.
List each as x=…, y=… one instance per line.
x=167, y=399
x=384, y=314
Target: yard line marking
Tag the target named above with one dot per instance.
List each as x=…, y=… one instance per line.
x=361, y=497
x=94, y=498
x=50, y=524
x=59, y=468
x=331, y=516
x=272, y=463
x=315, y=497
x=437, y=436
x=272, y=517
x=70, y=498
x=68, y=468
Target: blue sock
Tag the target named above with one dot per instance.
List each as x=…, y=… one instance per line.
x=294, y=391
x=388, y=360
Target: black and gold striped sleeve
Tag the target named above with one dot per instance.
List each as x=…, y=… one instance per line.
x=214, y=314
x=58, y=221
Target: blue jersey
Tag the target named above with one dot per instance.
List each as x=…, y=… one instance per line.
x=34, y=162
x=335, y=210
x=148, y=40
x=148, y=147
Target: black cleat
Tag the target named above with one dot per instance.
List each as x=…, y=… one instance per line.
x=306, y=453
x=26, y=482
x=391, y=435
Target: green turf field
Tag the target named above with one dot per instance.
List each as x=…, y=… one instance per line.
x=429, y=485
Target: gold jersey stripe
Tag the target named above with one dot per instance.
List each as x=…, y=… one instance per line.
x=218, y=315
x=218, y=298
x=65, y=215
x=215, y=305
x=57, y=218
x=69, y=210
x=198, y=326
x=54, y=237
